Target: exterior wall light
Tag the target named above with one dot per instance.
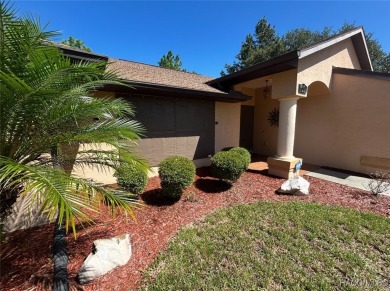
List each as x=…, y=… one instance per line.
x=302, y=89
x=266, y=90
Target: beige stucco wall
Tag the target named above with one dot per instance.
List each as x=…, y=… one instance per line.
x=318, y=66
x=227, y=131
x=99, y=175
x=247, y=91
x=284, y=84
x=265, y=136
x=24, y=214
x=104, y=176
x=354, y=120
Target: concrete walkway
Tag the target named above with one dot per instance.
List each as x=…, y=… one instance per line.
x=342, y=178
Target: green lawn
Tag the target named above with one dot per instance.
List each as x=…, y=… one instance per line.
x=277, y=246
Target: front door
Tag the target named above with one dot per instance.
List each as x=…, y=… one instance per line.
x=246, y=127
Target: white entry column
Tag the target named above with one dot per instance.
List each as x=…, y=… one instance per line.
x=286, y=131
x=283, y=164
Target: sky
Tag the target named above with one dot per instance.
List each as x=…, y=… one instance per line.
x=205, y=34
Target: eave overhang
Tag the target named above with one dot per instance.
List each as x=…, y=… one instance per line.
x=83, y=55
x=290, y=60
x=77, y=54
x=137, y=88
x=361, y=73
x=276, y=65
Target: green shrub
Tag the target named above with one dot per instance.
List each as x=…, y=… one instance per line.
x=228, y=165
x=176, y=174
x=131, y=178
x=171, y=190
x=244, y=153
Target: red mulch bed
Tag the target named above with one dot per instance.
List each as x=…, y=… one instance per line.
x=26, y=256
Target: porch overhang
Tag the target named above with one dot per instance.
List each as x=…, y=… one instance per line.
x=276, y=65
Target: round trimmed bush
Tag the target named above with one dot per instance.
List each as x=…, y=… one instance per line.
x=228, y=165
x=244, y=153
x=176, y=173
x=131, y=178
x=171, y=190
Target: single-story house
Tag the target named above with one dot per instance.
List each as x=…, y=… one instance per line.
x=321, y=103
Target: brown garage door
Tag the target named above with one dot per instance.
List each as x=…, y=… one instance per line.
x=175, y=127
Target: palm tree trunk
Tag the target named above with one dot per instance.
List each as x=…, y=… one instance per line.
x=61, y=259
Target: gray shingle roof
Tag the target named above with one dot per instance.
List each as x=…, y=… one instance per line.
x=153, y=75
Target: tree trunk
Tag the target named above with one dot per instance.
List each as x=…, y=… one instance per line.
x=60, y=255
x=61, y=259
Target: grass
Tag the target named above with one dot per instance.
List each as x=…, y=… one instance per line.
x=277, y=246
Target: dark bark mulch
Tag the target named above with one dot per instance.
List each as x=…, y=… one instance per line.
x=26, y=256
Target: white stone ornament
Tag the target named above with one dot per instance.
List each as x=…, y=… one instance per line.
x=106, y=255
x=297, y=186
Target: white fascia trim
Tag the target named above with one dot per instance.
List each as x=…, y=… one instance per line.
x=365, y=46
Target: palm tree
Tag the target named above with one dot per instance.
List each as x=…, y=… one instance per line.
x=43, y=110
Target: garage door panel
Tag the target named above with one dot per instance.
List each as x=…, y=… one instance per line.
x=155, y=114
x=190, y=115
x=197, y=142
x=175, y=127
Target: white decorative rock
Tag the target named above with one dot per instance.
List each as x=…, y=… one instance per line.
x=296, y=186
x=106, y=255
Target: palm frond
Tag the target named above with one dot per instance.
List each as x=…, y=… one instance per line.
x=43, y=107
x=55, y=192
